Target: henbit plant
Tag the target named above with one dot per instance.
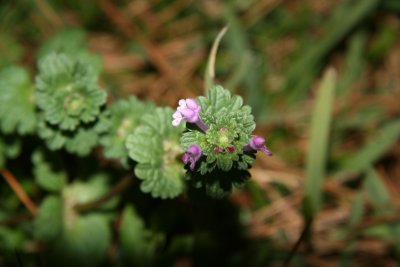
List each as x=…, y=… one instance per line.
x=218, y=142
x=57, y=121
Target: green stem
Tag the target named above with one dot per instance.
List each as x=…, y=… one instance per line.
x=305, y=234
x=118, y=188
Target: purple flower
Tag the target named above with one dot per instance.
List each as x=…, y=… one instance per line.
x=188, y=110
x=257, y=143
x=192, y=155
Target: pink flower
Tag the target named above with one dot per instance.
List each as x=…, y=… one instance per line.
x=192, y=155
x=257, y=143
x=188, y=110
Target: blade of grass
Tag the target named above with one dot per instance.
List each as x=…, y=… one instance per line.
x=345, y=19
x=357, y=211
x=355, y=61
x=239, y=73
x=319, y=139
x=373, y=150
x=209, y=74
x=239, y=45
x=376, y=191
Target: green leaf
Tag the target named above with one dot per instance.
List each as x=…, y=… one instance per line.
x=374, y=149
x=10, y=50
x=47, y=173
x=319, y=140
x=218, y=98
x=72, y=43
x=376, y=191
x=10, y=239
x=357, y=210
x=10, y=147
x=155, y=146
x=118, y=122
x=80, y=142
x=68, y=41
x=355, y=62
x=48, y=223
x=137, y=245
x=84, y=242
x=83, y=192
x=17, y=108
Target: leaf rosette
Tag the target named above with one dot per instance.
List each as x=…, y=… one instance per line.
x=67, y=92
x=154, y=145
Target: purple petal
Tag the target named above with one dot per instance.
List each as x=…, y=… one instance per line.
x=190, y=115
x=177, y=115
x=182, y=103
x=192, y=104
x=266, y=151
x=257, y=142
x=176, y=121
x=185, y=158
x=195, y=150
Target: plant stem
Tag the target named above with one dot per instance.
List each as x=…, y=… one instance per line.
x=296, y=246
x=118, y=188
x=19, y=191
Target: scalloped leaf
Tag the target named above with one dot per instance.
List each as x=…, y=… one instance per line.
x=155, y=146
x=17, y=108
x=137, y=245
x=218, y=97
x=48, y=175
x=48, y=223
x=68, y=41
x=80, y=142
x=10, y=239
x=166, y=184
x=10, y=147
x=118, y=122
x=82, y=192
x=84, y=242
x=55, y=139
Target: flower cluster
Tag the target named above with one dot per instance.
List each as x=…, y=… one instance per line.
x=218, y=139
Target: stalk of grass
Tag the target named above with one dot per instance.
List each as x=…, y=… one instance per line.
x=364, y=158
x=346, y=17
x=319, y=140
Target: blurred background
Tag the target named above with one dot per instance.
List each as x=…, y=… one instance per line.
x=274, y=54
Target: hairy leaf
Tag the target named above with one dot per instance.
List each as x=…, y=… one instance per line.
x=48, y=223
x=155, y=146
x=17, y=108
x=136, y=241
